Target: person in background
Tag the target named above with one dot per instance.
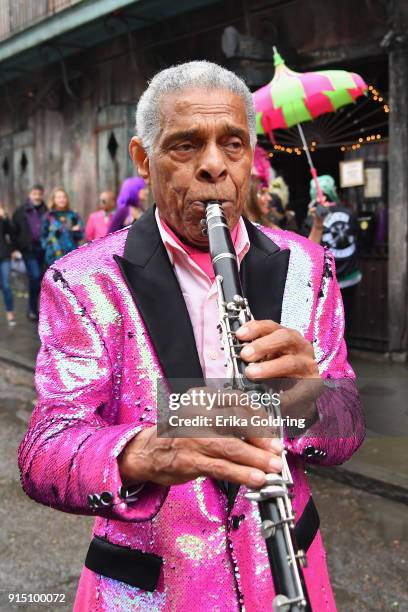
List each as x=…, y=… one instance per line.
x=131, y=203
x=6, y=248
x=334, y=226
x=62, y=228
x=27, y=221
x=99, y=221
x=257, y=205
x=280, y=213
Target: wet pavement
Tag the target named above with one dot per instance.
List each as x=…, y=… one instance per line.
x=19, y=344
x=42, y=550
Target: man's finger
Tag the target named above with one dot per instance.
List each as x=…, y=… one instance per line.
x=256, y=329
x=240, y=452
x=273, y=445
x=279, y=342
x=287, y=366
x=239, y=474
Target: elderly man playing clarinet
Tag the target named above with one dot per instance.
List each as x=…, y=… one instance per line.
x=174, y=530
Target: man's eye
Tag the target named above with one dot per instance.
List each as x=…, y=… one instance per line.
x=185, y=146
x=234, y=145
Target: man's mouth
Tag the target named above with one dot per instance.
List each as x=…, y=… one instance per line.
x=201, y=204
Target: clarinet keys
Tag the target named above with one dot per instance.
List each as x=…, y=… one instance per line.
x=281, y=603
x=301, y=557
x=274, y=487
x=268, y=529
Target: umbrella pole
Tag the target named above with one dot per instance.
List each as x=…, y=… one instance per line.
x=313, y=170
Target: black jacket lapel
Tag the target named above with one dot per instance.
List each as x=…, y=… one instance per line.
x=263, y=275
x=149, y=275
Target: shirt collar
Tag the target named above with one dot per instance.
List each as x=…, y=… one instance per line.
x=241, y=242
x=31, y=206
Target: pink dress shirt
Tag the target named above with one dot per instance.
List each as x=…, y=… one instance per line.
x=97, y=225
x=200, y=294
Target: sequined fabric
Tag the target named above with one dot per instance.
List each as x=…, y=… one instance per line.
x=96, y=376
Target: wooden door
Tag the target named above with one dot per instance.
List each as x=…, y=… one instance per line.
x=369, y=321
x=23, y=165
x=6, y=174
x=112, y=147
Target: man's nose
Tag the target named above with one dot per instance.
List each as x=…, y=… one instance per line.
x=212, y=168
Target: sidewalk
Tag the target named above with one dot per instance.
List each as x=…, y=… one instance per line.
x=379, y=466
x=19, y=345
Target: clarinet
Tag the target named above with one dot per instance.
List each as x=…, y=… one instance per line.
x=274, y=503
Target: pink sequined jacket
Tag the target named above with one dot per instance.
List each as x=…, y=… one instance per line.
x=113, y=322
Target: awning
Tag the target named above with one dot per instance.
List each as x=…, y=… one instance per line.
x=84, y=25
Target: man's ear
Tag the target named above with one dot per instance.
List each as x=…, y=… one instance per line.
x=139, y=158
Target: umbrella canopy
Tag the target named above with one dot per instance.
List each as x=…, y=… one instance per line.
x=294, y=97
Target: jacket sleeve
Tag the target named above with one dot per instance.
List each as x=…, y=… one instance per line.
x=9, y=231
x=45, y=228
x=78, y=234
x=90, y=229
x=118, y=219
x=16, y=228
x=340, y=427
x=68, y=457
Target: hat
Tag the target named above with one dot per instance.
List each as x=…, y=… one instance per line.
x=279, y=186
x=129, y=192
x=327, y=185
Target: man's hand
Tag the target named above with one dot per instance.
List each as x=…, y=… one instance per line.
x=168, y=461
x=317, y=219
x=274, y=351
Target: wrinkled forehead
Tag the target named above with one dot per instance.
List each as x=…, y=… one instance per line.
x=190, y=107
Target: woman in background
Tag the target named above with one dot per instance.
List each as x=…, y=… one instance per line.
x=62, y=228
x=6, y=248
x=131, y=203
x=281, y=214
x=257, y=206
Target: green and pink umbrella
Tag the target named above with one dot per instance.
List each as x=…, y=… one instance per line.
x=292, y=98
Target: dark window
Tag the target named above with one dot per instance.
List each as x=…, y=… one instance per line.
x=23, y=162
x=6, y=166
x=112, y=145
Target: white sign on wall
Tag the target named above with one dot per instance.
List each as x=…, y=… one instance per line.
x=373, y=183
x=351, y=173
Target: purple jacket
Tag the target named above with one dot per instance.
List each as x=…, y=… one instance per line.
x=111, y=327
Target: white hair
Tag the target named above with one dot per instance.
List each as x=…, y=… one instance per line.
x=198, y=74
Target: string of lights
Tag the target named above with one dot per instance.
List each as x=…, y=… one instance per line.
x=347, y=129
